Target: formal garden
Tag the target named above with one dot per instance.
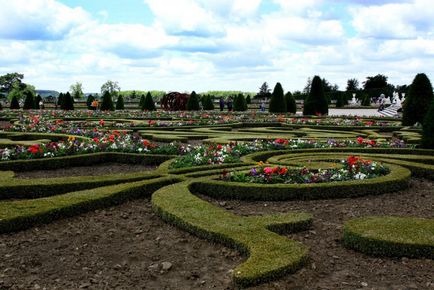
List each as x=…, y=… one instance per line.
x=186, y=195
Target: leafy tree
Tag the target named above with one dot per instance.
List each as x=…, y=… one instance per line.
x=120, y=103
x=107, y=102
x=8, y=81
x=193, y=102
x=207, y=103
x=428, y=128
x=38, y=99
x=68, y=102
x=375, y=82
x=352, y=85
x=418, y=100
x=316, y=103
x=264, y=91
x=248, y=99
x=77, y=90
x=291, y=105
x=277, y=101
x=89, y=101
x=329, y=87
x=148, y=103
x=29, y=102
x=15, y=105
x=111, y=87
x=240, y=103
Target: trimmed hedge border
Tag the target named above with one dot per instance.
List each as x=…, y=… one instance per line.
x=23, y=214
x=269, y=255
x=391, y=236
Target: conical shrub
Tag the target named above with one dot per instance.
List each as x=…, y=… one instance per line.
x=107, y=102
x=148, y=103
x=418, y=100
x=291, y=105
x=428, y=128
x=15, y=105
x=277, y=101
x=316, y=102
x=193, y=102
x=120, y=103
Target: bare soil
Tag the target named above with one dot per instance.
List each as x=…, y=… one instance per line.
x=128, y=247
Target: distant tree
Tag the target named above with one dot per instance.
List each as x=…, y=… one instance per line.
x=298, y=95
x=77, y=90
x=418, y=100
x=29, y=102
x=277, y=101
x=240, y=103
x=60, y=100
x=8, y=81
x=340, y=100
x=193, y=102
x=38, y=99
x=306, y=89
x=15, y=105
x=68, y=102
x=329, y=87
x=316, y=103
x=375, y=82
x=264, y=91
x=428, y=128
x=352, y=85
x=248, y=99
x=89, y=101
x=207, y=103
x=111, y=87
x=142, y=102
x=366, y=99
x=148, y=103
x=107, y=102
x=291, y=105
x=133, y=95
x=120, y=103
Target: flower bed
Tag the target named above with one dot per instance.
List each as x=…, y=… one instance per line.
x=353, y=168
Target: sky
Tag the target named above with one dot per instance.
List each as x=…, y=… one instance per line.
x=201, y=45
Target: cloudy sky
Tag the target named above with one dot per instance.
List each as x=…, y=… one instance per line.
x=214, y=44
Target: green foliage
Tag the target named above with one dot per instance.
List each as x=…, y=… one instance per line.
x=111, y=87
x=107, y=102
x=352, y=85
x=67, y=102
x=264, y=91
x=428, y=128
x=207, y=103
x=142, y=102
x=77, y=90
x=193, y=102
x=375, y=82
x=37, y=100
x=316, y=103
x=291, y=105
x=8, y=81
x=277, y=101
x=417, y=101
x=366, y=99
x=15, y=105
x=240, y=103
x=248, y=99
x=89, y=101
x=60, y=100
x=29, y=102
x=136, y=94
x=340, y=101
x=148, y=103
x=120, y=103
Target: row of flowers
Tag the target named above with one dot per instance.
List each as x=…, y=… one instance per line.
x=344, y=122
x=353, y=168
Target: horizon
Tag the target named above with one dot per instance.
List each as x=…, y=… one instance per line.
x=214, y=45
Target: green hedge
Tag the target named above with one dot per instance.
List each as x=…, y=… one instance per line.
x=269, y=255
x=391, y=236
x=396, y=180
x=23, y=214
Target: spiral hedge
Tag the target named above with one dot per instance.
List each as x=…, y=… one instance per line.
x=176, y=193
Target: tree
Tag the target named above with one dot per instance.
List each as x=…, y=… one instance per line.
x=248, y=99
x=207, y=103
x=316, y=103
x=89, y=101
x=264, y=91
x=366, y=99
x=352, y=85
x=193, y=102
x=340, y=99
x=291, y=105
x=148, y=103
x=306, y=89
x=277, y=101
x=142, y=102
x=38, y=99
x=29, y=102
x=111, y=87
x=8, y=81
x=68, y=102
x=240, y=103
x=77, y=90
x=107, y=102
x=60, y=100
x=428, y=128
x=418, y=100
x=120, y=103
x=15, y=105
x=376, y=82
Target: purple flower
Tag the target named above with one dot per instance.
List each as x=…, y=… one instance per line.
x=253, y=172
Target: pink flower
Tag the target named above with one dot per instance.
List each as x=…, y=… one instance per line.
x=268, y=170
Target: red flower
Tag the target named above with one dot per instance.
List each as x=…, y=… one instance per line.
x=146, y=143
x=352, y=160
x=101, y=122
x=34, y=149
x=360, y=140
x=372, y=142
x=219, y=147
x=281, y=141
x=283, y=171
x=96, y=140
x=275, y=170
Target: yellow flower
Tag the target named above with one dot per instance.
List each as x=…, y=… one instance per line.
x=260, y=163
x=71, y=138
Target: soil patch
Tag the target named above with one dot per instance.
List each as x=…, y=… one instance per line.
x=94, y=170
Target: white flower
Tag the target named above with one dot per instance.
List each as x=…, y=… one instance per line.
x=360, y=175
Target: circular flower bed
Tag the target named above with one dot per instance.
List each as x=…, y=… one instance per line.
x=353, y=168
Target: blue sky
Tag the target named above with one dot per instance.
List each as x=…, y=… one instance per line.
x=214, y=44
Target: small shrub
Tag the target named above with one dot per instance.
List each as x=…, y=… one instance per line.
x=291, y=105
x=15, y=105
x=207, y=103
x=193, y=102
x=107, y=102
x=240, y=103
x=148, y=104
x=120, y=103
x=89, y=101
x=29, y=102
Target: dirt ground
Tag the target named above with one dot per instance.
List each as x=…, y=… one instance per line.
x=128, y=247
